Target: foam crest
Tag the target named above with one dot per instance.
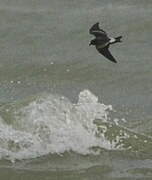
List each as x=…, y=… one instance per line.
x=52, y=124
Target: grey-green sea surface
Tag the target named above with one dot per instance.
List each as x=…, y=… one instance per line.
x=66, y=112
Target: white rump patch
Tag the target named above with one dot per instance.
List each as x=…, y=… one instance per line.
x=112, y=40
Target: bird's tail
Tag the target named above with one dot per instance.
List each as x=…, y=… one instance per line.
x=118, y=39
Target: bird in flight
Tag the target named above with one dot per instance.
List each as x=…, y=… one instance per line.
x=102, y=41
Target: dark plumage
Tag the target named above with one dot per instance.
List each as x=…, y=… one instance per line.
x=102, y=41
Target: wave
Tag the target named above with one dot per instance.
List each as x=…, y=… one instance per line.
x=51, y=124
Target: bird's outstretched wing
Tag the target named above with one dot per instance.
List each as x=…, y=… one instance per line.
x=105, y=52
x=97, y=32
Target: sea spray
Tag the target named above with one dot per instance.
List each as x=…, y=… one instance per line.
x=52, y=124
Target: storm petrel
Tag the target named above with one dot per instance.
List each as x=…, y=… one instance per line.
x=102, y=41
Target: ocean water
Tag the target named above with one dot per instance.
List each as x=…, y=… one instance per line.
x=67, y=113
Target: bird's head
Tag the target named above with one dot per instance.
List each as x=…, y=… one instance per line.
x=92, y=42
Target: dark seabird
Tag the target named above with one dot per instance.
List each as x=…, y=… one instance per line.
x=102, y=41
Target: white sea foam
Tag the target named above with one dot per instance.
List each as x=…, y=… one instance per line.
x=52, y=124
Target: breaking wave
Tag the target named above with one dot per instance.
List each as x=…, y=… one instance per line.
x=52, y=124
